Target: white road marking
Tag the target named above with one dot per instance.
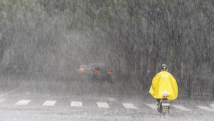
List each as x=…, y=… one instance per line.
x=180, y=107
x=49, y=103
x=2, y=100
x=112, y=99
x=23, y=102
x=76, y=104
x=212, y=105
x=129, y=106
x=206, y=108
x=153, y=106
x=102, y=105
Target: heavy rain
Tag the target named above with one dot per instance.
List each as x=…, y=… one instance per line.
x=94, y=60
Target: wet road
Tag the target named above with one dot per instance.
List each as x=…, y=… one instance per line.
x=83, y=100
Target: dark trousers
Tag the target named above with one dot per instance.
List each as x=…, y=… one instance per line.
x=158, y=101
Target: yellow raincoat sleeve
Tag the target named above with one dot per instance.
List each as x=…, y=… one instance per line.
x=154, y=83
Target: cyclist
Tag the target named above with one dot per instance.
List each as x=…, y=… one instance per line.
x=164, y=82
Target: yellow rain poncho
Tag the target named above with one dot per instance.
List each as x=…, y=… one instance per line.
x=164, y=82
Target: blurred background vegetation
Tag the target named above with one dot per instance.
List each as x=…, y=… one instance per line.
x=52, y=38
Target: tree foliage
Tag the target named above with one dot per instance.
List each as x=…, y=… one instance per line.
x=130, y=36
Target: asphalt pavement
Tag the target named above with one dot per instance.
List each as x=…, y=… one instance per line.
x=82, y=100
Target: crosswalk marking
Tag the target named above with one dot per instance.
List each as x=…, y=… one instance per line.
x=23, y=102
x=180, y=107
x=2, y=100
x=153, y=106
x=76, y=104
x=49, y=103
x=112, y=99
x=102, y=105
x=129, y=106
x=106, y=105
x=212, y=105
x=206, y=108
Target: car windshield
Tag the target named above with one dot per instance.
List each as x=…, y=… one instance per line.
x=101, y=68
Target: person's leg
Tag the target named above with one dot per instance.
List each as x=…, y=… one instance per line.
x=158, y=103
